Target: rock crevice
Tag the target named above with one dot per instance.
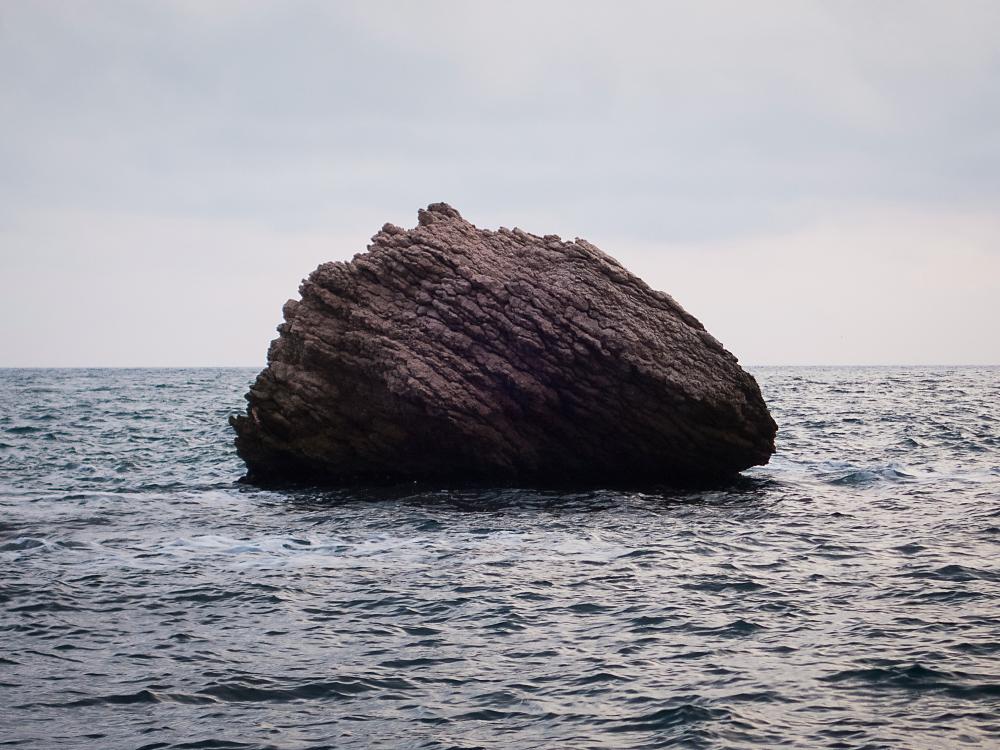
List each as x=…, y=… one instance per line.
x=451, y=352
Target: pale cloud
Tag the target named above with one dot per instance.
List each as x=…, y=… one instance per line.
x=736, y=154
x=888, y=287
x=82, y=289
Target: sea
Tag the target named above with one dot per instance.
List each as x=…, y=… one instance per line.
x=847, y=595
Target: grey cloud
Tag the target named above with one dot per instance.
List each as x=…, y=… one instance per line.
x=648, y=122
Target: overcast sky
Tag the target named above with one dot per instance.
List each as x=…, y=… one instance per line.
x=818, y=182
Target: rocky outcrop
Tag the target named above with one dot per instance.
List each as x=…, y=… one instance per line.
x=451, y=352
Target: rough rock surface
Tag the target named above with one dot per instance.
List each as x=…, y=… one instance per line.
x=451, y=352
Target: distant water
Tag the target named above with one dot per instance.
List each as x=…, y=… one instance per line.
x=846, y=596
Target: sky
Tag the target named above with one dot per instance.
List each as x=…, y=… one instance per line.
x=818, y=182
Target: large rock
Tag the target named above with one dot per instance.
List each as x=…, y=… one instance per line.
x=451, y=352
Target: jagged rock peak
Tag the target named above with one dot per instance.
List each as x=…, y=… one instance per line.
x=437, y=212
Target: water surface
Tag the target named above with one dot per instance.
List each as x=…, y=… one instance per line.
x=845, y=596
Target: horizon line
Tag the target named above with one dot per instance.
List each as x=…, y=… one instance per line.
x=261, y=367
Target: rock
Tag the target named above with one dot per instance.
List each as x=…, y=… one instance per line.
x=448, y=352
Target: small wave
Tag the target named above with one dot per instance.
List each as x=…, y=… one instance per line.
x=958, y=573
x=978, y=649
x=646, y=622
x=50, y=606
x=861, y=477
x=736, y=628
x=917, y=678
x=718, y=584
x=236, y=692
x=490, y=714
x=670, y=717
x=690, y=655
x=418, y=662
x=758, y=696
x=420, y=630
x=117, y=699
x=211, y=744
x=22, y=543
x=600, y=677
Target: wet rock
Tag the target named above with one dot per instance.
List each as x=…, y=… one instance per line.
x=448, y=352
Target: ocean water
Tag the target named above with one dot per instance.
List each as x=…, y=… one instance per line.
x=845, y=596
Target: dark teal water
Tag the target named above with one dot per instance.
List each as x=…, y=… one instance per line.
x=846, y=596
